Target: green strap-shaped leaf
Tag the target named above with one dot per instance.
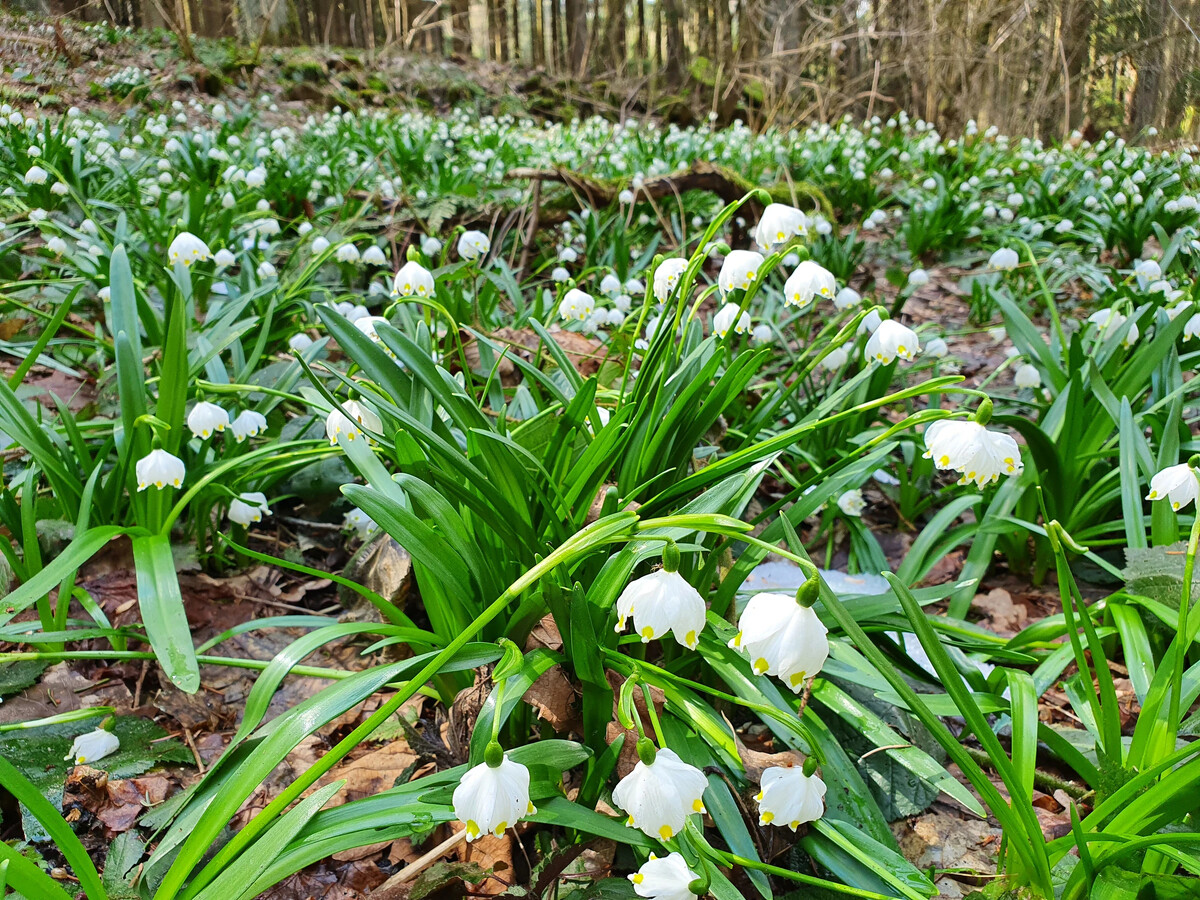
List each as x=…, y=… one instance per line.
x=162, y=611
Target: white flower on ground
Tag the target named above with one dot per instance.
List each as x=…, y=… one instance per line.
x=809, y=281
x=367, y=325
x=730, y=317
x=1175, y=483
x=489, y=799
x=1004, y=260
x=661, y=603
x=968, y=448
x=187, y=249
x=851, y=503
x=36, y=175
x=346, y=253
x=1109, y=321
x=473, y=244
x=846, y=298
x=666, y=277
x=299, y=342
x=224, y=259
x=610, y=285
x=660, y=796
x=93, y=746
x=834, y=359
x=413, y=280
x=892, y=340
x=576, y=305
x=56, y=245
x=248, y=424
x=206, y=418
x=666, y=878
x=373, y=256
x=247, y=508
x=789, y=797
x=159, y=468
x=739, y=270
x=782, y=638
x=1191, y=328
x=431, y=246
x=762, y=334
x=559, y=274
x=918, y=278
x=778, y=225
x=1148, y=269
x=360, y=523
x=1027, y=376
x=568, y=255
x=59, y=189
x=352, y=422
x=937, y=348
x=320, y=245
x=266, y=270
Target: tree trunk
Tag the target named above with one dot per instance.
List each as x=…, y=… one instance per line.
x=614, y=33
x=1149, y=61
x=576, y=34
x=673, y=49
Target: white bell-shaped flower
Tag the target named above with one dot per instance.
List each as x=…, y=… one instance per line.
x=299, y=342
x=810, y=281
x=1109, y=321
x=360, y=523
x=413, y=280
x=665, y=878
x=659, y=796
x=352, y=423
x=891, y=340
x=846, y=298
x=159, y=468
x=729, y=317
x=667, y=276
x=473, y=245
x=661, y=603
x=1191, y=328
x=782, y=638
x=1027, y=376
x=248, y=424
x=206, y=419
x=1004, y=260
x=937, y=348
x=431, y=246
x=762, y=334
x=739, y=270
x=346, y=253
x=610, y=285
x=576, y=305
x=373, y=256
x=187, y=249
x=918, y=278
x=778, y=225
x=247, y=508
x=224, y=259
x=968, y=448
x=835, y=359
x=851, y=503
x=320, y=245
x=788, y=797
x=1175, y=483
x=93, y=746
x=490, y=799
x=36, y=175
x=368, y=325
x=1149, y=269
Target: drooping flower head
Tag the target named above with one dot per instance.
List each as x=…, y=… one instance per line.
x=739, y=270
x=662, y=603
x=967, y=447
x=778, y=224
x=473, y=244
x=187, y=249
x=660, y=795
x=890, y=341
x=492, y=798
x=248, y=424
x=782, y=638
x=1004, y=260
x=576, y=305
x=206, y=419
x=666, y=277
x=352, y=422
x=810, y=281
x=249, y=507
x=729, y=317
x=666, y=878
x=1177, y=484
x=789, y=797
x=159, y=468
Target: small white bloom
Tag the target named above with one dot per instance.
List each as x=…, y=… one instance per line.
x=159, y=468
x=248, y=424
x=360, y=523
x=846, y=298
x=489, y=800
x=207, y=418
x=473, y=244
x=918, y=278
x=1148, y=269
x=625, y=197
x=56, y=245
x=1108, y=321
x=351, y=423
x=36, y=175
x=835, y=359
x=809, y=281
x=413, y=280
x=266, y=270
x=851, y=503
x=968, y=448
x=1175, y=483
x=666, y=277
x=319, y=245
x=346, y=253
x=368, y=326
x=778, y=225
x=576, y=305
x=431, y=246
x=58, y=189
x=224, y=259
x=610, y=285
x=1027, y=376
x=762, y=334
x=661, y=603
x=892, y=340
x=559, y=274
x=373, y=256
x=668, y=878
x=739, y=270
x=187, y=249
x=93, y=746
x=659, y=797
x=568, y=255
x=782, y=638
x=1191, y=328
x=247, y=508
x=1004, y=260
x=730, y=317
x=789, y=797
x=299, y=342
x=937, y=348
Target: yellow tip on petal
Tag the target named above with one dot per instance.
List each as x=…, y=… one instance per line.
x=665, y=832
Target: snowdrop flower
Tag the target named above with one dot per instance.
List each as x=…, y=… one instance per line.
x=1148, y=269
x=224, y=259
x=846, y=298
x=762, y=334
x=835, y=359
x=625, y=197
x=248, y=424
x=159, y=468
x=810, y=280
x=1004, y=260
x=891, y=340
x=659, y=795
x=559, y=274
x=666, y=276
x=1108, y=321
x=360, y=523
x=1027, y=376
x=413, y=280
x=1191, y=328
x=739, y=270
x=491, y=798
x=918, y=278
x=247, y=508
x=373, y=256
x=567, y=255
x=610, y=285
x=304, y=228
x=782, y=638
x=346, y=253
x=299, y=342
x=967, y=447
x=187, y=249
x=36, y=175
x=58, y=189
x=206, y=419
x=1175, y=483
x=937, y=348
x=256, y=177
x=668, y=878
x=576, y=305
x=778, y=225
x=473, y=244
x=352, y=422
x=1064, y=226
x=319, y=245
x=851, y=503
x=56, y=245
x=789, y=797
x=266, y=270
x=634, y=287
x=368, y=326
x=730, y=316
x=661, y=603
x=93, y=746
x=431, y=246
